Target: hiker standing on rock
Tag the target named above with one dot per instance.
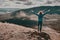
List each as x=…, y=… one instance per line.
x=40, y=19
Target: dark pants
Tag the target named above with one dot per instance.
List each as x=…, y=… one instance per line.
x=39, y=26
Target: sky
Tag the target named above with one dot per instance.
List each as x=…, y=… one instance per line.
x=27, y=3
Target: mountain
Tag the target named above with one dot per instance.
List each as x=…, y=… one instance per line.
x=7, y=13
x=17, y=32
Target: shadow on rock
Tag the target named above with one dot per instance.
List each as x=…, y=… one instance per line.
x=38, y=36
x=44, y=36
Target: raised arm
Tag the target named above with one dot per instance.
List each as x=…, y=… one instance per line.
x=34, y=13
x=46, y=12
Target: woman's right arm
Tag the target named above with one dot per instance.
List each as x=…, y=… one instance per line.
x=35, y=13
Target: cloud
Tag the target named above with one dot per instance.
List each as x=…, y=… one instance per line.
x=27, y=3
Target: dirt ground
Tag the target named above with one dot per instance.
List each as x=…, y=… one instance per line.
x=17, y=32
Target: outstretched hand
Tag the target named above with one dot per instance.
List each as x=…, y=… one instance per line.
x=34, y=12
x=47, y=11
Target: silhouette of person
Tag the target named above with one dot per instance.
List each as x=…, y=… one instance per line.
x=40, y=19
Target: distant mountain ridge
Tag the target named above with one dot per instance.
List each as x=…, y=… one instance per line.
x=15, y=11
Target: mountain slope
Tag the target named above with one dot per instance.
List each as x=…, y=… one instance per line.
x=16, y=32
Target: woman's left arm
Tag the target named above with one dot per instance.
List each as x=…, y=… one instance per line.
x=46, y=12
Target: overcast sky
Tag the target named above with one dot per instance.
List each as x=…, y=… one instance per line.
x=29, y=3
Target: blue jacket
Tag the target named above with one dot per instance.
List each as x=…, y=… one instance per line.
x=40, y=17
